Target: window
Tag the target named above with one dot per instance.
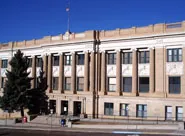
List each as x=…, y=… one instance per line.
x=174, y=55
x=144, y=57
x=67, y=85
x=168, y=113
x=112, y=84
x=38, y=62
x=127, y=84
x=2, y=82
x=127, y=58
x=141, y=110
x=111, y=58
x=174, y=85
x=179, y=113
x=124, y=109
x=36, y=82
x=144, y=84
x=55, y=83
x=55, y=60
x=29, y=60
x=80, y=83
x=67, y=59
x=4, y=63
x=108, y=108
x=80, y=59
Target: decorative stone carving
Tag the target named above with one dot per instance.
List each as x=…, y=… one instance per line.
x=3, y=72
x=126, y=69
x=80, y=70
x=29, y=70
x=174, y=68
x=56, y=71
x=67, y=70
x=111, y=70
x=144, y=69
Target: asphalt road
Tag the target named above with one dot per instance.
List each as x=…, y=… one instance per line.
x=12, y=132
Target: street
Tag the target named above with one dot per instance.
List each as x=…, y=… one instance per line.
x=13, y=132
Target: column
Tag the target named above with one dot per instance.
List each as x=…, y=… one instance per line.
x=45, y=65
x=49, y=77
x=86, y=72
x=152, y=71
x=61, y=74
x=0, y=73
x=58, y=106
x=134, y=72
x=73, y=77
x=92, y=72
x=33, y=71
x=103, y=73
x=118, y=72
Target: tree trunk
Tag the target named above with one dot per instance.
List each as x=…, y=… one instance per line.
x=22, y=111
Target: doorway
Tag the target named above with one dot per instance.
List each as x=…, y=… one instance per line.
x=52, y=106
x=64, y=107
x=77, y=108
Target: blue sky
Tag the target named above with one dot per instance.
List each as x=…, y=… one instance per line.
x=33, y=19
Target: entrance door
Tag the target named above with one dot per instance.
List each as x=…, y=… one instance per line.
x=77, y=108
x=64, y=107
x=52, y=106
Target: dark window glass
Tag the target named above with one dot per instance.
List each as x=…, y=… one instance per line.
x=80, y=59
x=55, y=60
x=111, y=58
x=174, y=85
x=67, y=84
x=127, y=58
x=29, y=62
x=174, y=55
x=127, y=84
x=144, y=84
x=144, y=57
x=108, y=108
x=4, y=63
x=2, y=82
x=55, y=83
x=67, y=59
x=80, y=83
x=141, y=110
x=39, y=62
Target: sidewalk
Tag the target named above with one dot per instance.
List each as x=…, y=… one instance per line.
x=48, y=127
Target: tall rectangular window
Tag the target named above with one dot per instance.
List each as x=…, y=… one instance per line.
x=179, y=113
x=127, y=84
x=124, y=109
x=168, y=113
x=108, y=108
x=29, y=60
x=127, y=58
x=80, y=83
x=39, y=62
x=67, y=59
x=80, y=59
x=4, y=63
x=144, y=57
x=67, y=83
x=112, y=84
x=55, y=60
x=55, y=83
x=174, y=85
x=144, y=84
x=141, y=110
x=174, y=55
x=111, y=59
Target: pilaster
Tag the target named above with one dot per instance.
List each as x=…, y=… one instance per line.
x=61, y=74
x=86, y=72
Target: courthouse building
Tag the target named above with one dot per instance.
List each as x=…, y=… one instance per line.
x=136, y=72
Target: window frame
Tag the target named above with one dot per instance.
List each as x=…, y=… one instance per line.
x=111, y=84
x=144, y=57
x=108, y=108
x=67, y=86
x=179, y=116
x=172, y=87
x=55, y=83
x=67, y=59
x=175, y=57
x=111, y=58
x=143, y=112
x=80, y=59
x=124, y=111
x=141, y=88
x=167, y=113
x=4, y=63
x=80, y=84
x=127, y=58
x=55, y=60
x=125, y=85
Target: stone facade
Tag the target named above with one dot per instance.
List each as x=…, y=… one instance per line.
x=93, y=77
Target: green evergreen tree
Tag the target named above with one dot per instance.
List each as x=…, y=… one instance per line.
x=17, y=85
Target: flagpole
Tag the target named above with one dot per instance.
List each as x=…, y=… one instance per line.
x=68, y=16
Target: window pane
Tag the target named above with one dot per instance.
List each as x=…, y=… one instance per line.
x=111, y=58
x=127, y=84
x=174, y=85
x=80, y=59
x=144, y=84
